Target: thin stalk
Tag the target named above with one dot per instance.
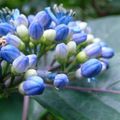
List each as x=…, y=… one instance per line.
x=25, y=107
x=88, y=90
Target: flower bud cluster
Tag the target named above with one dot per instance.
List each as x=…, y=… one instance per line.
x=25, y=40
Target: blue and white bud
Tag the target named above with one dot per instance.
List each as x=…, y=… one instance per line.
x=91, y=68
x=35, y=30
x=32, y=60
x=83, y=25
x=14, y=40
x=20, y=64
x=61, y=80
x=103, y=44
x=21, y=20
x=33, y=85
x=61, y=52
x=107, y=52
x=92, y=50
x=22, y=32
x=9, y=53
x=61, y=32
x=79, y=37
x=74, y=27
x=6, y=28
x=71, y=47
x=105, y=64
x=30, y=72
x=43, y=18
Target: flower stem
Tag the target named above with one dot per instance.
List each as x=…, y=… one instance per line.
x=88, y=90
x=25, y=107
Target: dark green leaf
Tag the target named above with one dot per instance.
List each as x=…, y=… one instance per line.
x=11, y=108
x=72, y=105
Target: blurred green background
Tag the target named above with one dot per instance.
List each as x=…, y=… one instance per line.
x=85, y=9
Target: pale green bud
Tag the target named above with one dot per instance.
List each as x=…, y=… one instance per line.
x=78, y=74
x=90, y=38
x=49, y=35
x=31, y=45
x=30, y=72
x=22, y=46
x=81, y=57
x=22, y=32
x=71, y=47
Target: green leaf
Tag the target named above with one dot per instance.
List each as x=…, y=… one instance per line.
x=11, y=108
x=75, y=105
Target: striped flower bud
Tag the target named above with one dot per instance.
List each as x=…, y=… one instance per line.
x=20, y=64
x=30, y=19
x=61, y=52
x=35, y=30
x=22, y=32
x=14, y=40
x=107, y=52
x=21, y=19
x=79, y=37
x=91, y=68
x=61, y=80
x=9, y=53
x=61, y=32
x=6, y=28
x=32, y=60
x=30, y=72
x=71, y=47
x=43, y=18
x=93, y=50
x=33, y=85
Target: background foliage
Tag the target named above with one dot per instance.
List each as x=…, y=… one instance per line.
x=72, y=105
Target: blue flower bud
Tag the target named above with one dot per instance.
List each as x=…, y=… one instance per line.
x=9, y=53
x=33, y=85
x=35, y=30
x=61, y=80
x=79, y=37
x=30, y=19
x=20, y=64
x=61, y=32
x=91, y=68
x=61, y=52
x=74, y=27
x=13, y=40
x=6, y=28
x=107, y=52
x=32, y=60
x=93, y=50
x=21, y=19
x=43, y=18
